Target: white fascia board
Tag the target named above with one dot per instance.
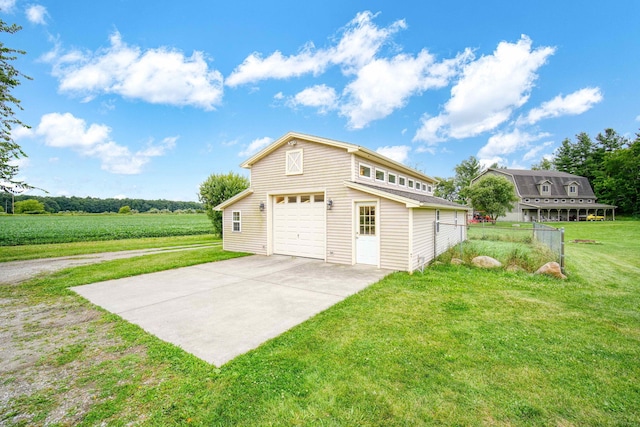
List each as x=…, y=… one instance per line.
x=410, y=203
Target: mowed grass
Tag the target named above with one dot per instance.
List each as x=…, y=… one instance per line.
x=47, y=229
x=453, y=346
x=27, y=252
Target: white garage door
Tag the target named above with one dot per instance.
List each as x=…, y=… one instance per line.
x=298, y=225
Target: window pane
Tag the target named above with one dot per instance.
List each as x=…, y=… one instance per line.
x=365, y=171
x=318, y=198
x=292, y=199
x=401, y=181
x=392, y=179
x=380, y=175
x=279, y=200
x=305, y=199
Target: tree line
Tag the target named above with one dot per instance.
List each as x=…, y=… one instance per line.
x=610, y=161
x=96, y=205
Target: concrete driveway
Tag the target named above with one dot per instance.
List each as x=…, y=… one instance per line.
x=220, y=310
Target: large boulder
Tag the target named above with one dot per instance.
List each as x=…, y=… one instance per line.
x=551, y=269
x=484, y=261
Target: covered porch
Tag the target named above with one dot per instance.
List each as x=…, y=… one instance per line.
x=566, y=212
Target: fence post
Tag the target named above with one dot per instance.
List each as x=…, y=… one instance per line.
x=562, y=249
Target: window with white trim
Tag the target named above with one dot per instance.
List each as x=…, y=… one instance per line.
x=410, y=185
x=417, y=187
x=429, y=189
x=391, y=178
x=402, y=181
x=236, y=221
x=364, y=171
x=294, y=162
x=380, y=174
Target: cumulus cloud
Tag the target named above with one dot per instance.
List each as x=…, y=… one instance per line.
x=488, y=91
x=505, y=143
x=575, y=103
x=384, y=85
x=399, y=153
x=36, y=14
x=533, y=153
x=360, y=41
x=255, y=146
x=67, y=131
x=158, y=76
x=7, y=5
x=321, y=97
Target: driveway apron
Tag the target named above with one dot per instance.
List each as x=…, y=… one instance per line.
x=219, y=310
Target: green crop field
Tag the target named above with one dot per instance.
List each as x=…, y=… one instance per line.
x=40, y=229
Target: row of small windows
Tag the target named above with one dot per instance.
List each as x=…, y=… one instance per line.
x=560, y=200
x=311, y=198
x=393, y=179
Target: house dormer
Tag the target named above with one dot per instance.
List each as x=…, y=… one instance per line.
x=544, y=187
x=571, y=188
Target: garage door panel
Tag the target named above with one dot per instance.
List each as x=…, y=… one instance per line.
x=299, y=228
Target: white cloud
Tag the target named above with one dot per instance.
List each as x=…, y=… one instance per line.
x=575, y=103
x=67, y=131
x=502, y=144
x=158, y=76
x=321, y=97
x=36, y=14
x=488, y=91
x=533, y=152
x=255, y=146
x=384, y=85
x=358, y=45
x=7, y=6
x=399, y=153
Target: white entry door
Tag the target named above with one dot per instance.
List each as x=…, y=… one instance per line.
x=367, y=234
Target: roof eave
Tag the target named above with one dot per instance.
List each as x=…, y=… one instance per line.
x=234, y=199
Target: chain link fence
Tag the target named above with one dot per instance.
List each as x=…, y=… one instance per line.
x=551, y=237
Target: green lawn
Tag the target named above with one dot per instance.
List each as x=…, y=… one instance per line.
x=453, y=346
x=46, y=229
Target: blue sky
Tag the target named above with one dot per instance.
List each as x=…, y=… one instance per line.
x=146, y=99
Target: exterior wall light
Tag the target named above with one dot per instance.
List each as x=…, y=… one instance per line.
x=261, y=206
x=329, y=204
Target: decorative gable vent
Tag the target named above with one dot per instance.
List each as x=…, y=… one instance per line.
x=294, y=162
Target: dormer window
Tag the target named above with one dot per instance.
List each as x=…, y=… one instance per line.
x=544, y=187
x=571, y=188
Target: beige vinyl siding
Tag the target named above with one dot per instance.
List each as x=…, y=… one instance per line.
x=423, y=244
x=394, y=234
x=324, y=170
x=449, y=234
x=373, y=165
x=252, y=238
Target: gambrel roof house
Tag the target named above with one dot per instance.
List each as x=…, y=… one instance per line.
x=550, y=196
x=342, y=203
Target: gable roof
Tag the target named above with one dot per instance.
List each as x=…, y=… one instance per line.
x=412, y=200
x=527, y=182
x=349, y=148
